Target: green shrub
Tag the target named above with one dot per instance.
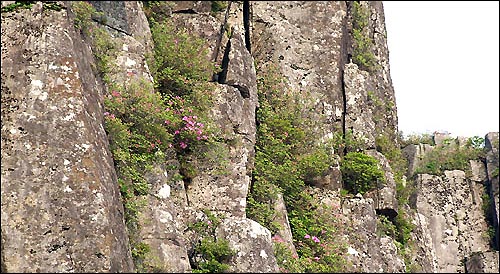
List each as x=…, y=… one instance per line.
x=180, y=60
x=287, y=158
x=210, y=254
x=451, y=156
x=362, y=53
x=217, y=6
x=18, y=5
x=360, y=172
x=416, y=139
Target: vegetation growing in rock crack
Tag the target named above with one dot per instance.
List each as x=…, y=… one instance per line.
x=287, y=158
x=362, y=53
x=210, y=254
x=147, y=124
x=450, y=155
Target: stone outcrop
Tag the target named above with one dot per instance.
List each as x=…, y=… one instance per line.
x=414, y=154
x=449, y=219
x=384, y=196
x=61, y=205
x=367, y=251
x=236, y=101
x=492, y=165
x=61, y=209
x=482, y=262
x=252, y=243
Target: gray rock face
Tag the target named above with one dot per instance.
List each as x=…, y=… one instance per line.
x=449, y=220
x=252, y=243
x=482, y=262
x=281, y=217
x=234, y=114
x=358, y=119
x=415, y=154
x=384, y=196
x=310, y=57
x=367, y=251
x=492, y=165
x=61, y=209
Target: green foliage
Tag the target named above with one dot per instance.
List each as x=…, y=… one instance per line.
x=180, y=59
x=392, y=152
x=342, y=144
x=451, y=156
x=287, y=159
x=210, y=254
x=18, y=5
x=416, y=139
x=217, y=6
x=360, y=172
x=52, y=6
x=362, y=53
x=103, y=47
x=385, y=227
x=214, y=254
x=83, y=15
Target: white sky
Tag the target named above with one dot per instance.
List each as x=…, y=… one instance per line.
x=444, y=59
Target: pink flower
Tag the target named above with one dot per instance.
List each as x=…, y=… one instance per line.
x=277, y=239
x=115, y=93
x=177, y=132
x=316, y=258
x=307, y=236
x=183, y=145
x=315, y=239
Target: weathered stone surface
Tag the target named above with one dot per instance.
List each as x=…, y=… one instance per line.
x=207, y=27
x=309, y=56
x=384, y=196
x=61, y=209
x=239, y=71
x=441, y=137
x=162, y=223
x=492, y=165
x=252, y=242
x=126, y=18
x=482, y=262
x=234, y=114
x=281, y=218
x=191, y=7
x=450, y=219
x=359, y=119
x=333, y=178
x=479, y=173
x=366, y=251
x=415, y=154
x=226, y=190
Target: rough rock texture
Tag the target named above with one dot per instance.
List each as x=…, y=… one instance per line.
x=159, y=221
x=281, y=218
x=384, y=196
x=61, y=209
x=492, y=165
x=367, y=251
x=449, y=220
x=482, y=262
x=309, y=56
x=252, y=243
x=415, y=154
x=234, y=112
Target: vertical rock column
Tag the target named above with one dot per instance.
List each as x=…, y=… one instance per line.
x=492, y=166
x=61, y=209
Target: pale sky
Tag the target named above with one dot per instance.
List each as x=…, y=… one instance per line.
x=444, y=59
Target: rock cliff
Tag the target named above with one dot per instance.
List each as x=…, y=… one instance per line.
x=189, y=136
